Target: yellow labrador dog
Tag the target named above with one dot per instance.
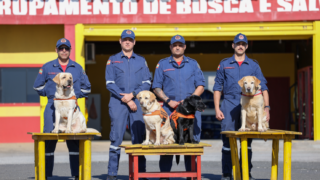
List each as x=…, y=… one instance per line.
x=69, y=118
x=252, y=105
x=157, y=121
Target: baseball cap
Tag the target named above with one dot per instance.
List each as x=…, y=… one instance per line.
x=177, y=38
x=240, y=37
x=63, y=41
x=127, y=33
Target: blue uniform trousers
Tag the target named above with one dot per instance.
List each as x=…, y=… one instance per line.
x=165, y=162
x=50, y=145
x=121, y=116
x=231, y=109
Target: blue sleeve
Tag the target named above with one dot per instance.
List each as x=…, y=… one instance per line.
x=84, y=84
x=158, y=77
x=110, y=80
x=40, y=82
x=146, y=79
x=259, y=75
x=219, y=80
x=199, y=79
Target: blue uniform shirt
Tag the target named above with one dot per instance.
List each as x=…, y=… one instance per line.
x=45, y=86
x=178, y=82
x=124, y=75
x=229, y=73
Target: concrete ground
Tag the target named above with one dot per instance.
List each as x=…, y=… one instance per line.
x=17, y=161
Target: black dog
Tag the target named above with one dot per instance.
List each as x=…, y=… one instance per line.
x=182, y=119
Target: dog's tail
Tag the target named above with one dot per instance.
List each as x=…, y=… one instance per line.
x=177, y=159
x=91, y=130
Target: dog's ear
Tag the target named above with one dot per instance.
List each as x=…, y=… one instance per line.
x=152, y=97
x=57, y=79
x=240, y=82
x=256, y=81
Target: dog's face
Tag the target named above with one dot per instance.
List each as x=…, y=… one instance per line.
x=64, y=80
x=146, y=99
x=249, y=84
x=194, y=103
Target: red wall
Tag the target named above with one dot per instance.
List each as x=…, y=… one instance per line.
x=14, y=129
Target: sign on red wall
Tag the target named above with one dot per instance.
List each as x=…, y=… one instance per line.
x=155, y=11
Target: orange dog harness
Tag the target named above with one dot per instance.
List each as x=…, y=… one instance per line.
x=73, y=97
x=162, y=113
x=175, y=115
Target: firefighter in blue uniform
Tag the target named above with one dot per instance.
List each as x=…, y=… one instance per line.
x=176, y=78
x=229, y=72
x=45, y=86
x=126, y=75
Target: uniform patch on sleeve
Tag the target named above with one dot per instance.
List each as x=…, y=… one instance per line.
x=157, y=66
x=218, y=67
x=40, y=71
x=146, y=63
x=83, y=72
x=198, y=66
x=108, y=63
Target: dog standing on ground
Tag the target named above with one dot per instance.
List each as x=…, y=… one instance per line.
x=157, y=122
x=182, y=119
x=252, y=105
x=69, y=118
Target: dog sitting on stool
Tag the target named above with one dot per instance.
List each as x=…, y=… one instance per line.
x=182, y=119
x=69, y=118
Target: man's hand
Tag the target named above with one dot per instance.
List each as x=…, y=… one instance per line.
x=173, y=104
x=132, y=106
x=219, y=115
x=267, y=113
x=126, y=97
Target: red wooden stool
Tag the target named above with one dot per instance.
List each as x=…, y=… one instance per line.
x=173, y=149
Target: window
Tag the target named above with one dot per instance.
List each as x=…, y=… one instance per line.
x=16, y=85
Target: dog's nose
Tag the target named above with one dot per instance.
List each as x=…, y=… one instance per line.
x=69, y=81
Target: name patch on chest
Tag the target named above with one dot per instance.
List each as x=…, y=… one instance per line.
x=228, y=68
x=52, y=73
x=168, y=70
x=117, y=61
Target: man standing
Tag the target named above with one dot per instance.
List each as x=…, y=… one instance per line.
x=229, y=72
x=45, y=86
x=176, y=78
x=126, y=75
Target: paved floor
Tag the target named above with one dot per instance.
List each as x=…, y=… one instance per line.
x=210, y=171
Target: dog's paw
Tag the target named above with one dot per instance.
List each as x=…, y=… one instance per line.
x=194, y=142
x=165, y=142
x=261, y=130
x=157, y=143
x=242, y=129
x=145, y=143
x=181, y=142
x=56, y=131
x=68, y=131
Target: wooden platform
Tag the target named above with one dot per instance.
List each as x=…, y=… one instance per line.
x=194, y=150
x=273, y=134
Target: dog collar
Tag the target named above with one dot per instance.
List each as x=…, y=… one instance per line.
x=257, y=93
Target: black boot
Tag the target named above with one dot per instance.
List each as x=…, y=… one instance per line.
x=112, y=178
x=76, y=178
x=226, y=177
